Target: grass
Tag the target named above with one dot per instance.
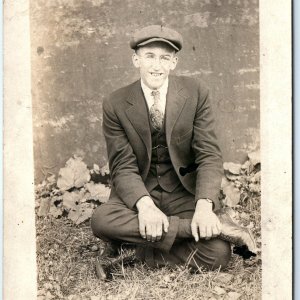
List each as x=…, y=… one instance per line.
x=66, y=256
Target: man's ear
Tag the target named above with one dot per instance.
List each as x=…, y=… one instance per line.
x=136, y=60
x=174, y=62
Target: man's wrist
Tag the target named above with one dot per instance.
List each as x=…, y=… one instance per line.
x=144, y=200
x=205, y=203
x=206, y=199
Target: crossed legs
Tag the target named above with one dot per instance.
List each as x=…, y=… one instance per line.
x=115, y=221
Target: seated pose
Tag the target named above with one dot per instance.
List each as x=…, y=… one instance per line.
x=165, y=164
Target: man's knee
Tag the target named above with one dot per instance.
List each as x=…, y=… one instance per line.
x=102, y=222
x=113, y=221
x=212, y=254
x=221, y=251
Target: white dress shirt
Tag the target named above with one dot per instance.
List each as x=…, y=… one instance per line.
x=163, y=90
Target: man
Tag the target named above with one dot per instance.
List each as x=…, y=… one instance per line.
x=165, y=163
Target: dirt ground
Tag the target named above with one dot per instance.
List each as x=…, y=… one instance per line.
x=66, y=255
x=67, y=249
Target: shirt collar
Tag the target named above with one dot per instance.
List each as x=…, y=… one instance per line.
x=162, y=90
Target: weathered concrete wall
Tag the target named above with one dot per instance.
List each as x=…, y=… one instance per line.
x=80, y=54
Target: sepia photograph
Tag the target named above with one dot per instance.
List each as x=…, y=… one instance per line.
x=147, y=175
x=148, y=145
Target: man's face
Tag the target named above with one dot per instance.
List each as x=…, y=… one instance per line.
x=155, y=62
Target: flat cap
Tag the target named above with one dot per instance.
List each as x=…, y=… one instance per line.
x=155, y=33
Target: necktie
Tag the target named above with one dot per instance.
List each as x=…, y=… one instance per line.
x=156, y=115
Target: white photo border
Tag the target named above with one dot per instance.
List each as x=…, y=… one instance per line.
x=276, y=132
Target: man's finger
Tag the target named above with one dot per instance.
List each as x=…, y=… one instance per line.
x=208, y=232
x=215, y=231
x=202, y=230
x=166, y=224
x=195, y=234
x=219, y=226
x=142, y=230
x=159, y=231
x=153, y=234
x=148, y=233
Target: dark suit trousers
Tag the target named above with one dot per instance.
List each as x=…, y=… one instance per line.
x=114, y=221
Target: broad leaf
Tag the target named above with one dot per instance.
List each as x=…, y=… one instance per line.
x=231, y=177
x=224, y=182
x=65, y=179
x=247, y=167
x=104, y=170
x=232, y=195
x=96, y=168
x=232, y=168
x=254, y=157
x=44, y=207
x=256, y=177
x=70, y=200
x=75, y=174
x=81, y=213
x=55, y=211
x=51, y=179
x=98, y=191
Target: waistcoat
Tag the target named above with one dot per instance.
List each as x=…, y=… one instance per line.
x=161, y=171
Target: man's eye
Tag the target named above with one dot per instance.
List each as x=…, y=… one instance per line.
x=166, y=58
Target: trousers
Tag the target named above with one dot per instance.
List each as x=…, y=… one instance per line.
x=114, y=221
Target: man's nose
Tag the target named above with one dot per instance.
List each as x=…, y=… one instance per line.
x=156, y=63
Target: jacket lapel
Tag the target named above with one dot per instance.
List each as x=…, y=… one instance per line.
x=176, y=99
x=137, y=114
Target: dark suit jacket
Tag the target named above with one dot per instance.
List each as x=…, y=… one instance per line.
x=190, y=135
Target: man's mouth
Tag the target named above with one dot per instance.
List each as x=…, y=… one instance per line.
x=156, y=74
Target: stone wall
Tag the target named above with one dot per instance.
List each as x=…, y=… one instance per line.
x=80, y=54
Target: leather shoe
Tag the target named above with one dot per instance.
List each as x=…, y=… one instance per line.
x=232, y=232
x=112, y=257
x=109, y=249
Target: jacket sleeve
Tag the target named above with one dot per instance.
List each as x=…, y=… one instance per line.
x=207, y=152
x=124, y=171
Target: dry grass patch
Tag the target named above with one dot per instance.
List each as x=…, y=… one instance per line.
x=66, y=254
x=67, y=249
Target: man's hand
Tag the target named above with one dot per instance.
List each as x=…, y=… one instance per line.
x=152, y=221
x=205, y=224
